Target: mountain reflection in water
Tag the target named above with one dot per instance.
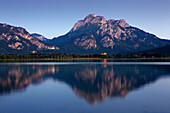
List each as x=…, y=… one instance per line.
x=94, y=82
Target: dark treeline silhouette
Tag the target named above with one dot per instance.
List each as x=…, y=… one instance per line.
x=74, y=56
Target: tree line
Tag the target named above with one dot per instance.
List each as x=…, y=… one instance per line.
x=73, y=56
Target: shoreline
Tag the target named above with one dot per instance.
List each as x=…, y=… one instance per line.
x=90, y=60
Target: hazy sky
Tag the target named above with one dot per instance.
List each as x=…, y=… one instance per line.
x=56, y=17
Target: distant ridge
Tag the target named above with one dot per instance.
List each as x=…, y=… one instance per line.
x=40, y=37
x=18, y=40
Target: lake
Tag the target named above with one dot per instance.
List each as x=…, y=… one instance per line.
x=85, y=87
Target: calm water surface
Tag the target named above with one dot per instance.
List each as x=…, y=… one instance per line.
x=91, y=87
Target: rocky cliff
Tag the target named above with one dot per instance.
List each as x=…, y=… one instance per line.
x=95, y=34
x=18, y=40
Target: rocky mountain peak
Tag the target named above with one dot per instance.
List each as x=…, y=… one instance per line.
x=92, y=18
x=96, y=34
x=11, y=29
x=123, y=23
x=89, y=19
x=17, y=39
x=100, y=21
x=90, y=15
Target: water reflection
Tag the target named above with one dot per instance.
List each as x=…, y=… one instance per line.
x=94, y=82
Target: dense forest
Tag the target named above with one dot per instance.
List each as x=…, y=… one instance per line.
x=75, y=56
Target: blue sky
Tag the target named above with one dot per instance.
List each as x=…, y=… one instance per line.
x=53, y=18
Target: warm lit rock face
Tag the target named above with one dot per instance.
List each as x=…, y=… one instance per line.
x=18, y=40
x=87, y=41
x=95, y=34
x=40, y=37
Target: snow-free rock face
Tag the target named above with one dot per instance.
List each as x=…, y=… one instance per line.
x=96, y=34
x=87, y=41
x=18, y=40
x=40, y=37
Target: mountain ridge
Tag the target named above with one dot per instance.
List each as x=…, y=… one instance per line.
x=91, y=35
x=96, y=34
x=18, y=40
x=40, y=37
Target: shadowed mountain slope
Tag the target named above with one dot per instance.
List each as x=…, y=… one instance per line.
x=95, y=34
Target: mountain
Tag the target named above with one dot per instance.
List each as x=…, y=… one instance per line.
x=40, y=37
x=18, y=40
x=161, y=50
x=95, y=34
